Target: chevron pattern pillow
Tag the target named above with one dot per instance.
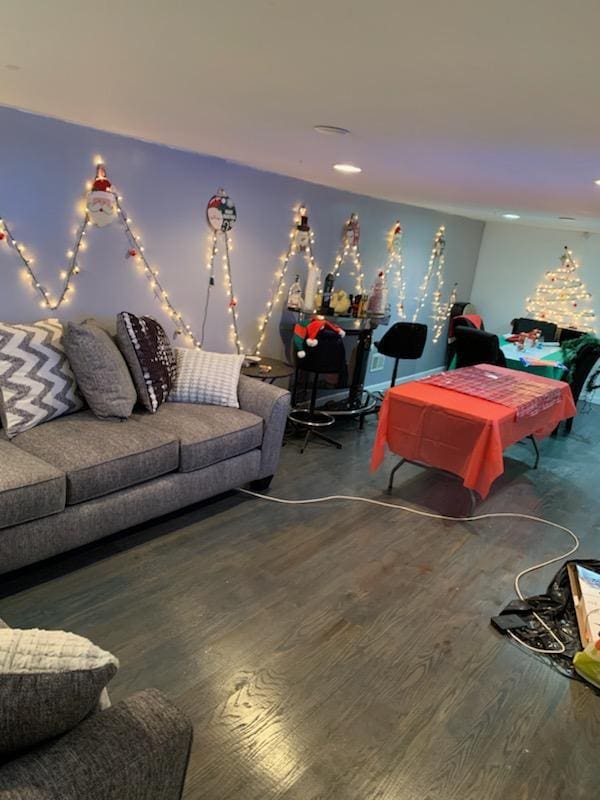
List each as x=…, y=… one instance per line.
x=36, y=380
x=207, y=378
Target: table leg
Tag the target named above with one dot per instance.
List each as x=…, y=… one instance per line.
x=357, y=382
x=537, y=451
x=392, y=473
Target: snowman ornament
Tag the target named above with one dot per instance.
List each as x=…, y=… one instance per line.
x=101, y=203
x=220, y=212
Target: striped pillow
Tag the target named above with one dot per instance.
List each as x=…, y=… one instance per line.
x=36, y=380
x=208, y=378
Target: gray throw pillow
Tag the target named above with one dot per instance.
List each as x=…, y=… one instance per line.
x=49, y=682
x=100, y=369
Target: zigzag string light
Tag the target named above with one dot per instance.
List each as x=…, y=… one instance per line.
x=436, y=258
x=67, y=275
x=281, y=272
x=234, y=326
x=73, y=268
x=441, y=311
x=395, y=261
x=350, y=249
x=136, y=251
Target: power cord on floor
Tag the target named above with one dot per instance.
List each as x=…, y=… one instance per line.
x=476, y=518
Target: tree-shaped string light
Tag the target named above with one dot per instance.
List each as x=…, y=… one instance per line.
x=395, y=262
x=563, y=298
x=349, y=249
x=301, y=240
x=435, y=271
x=221, y=216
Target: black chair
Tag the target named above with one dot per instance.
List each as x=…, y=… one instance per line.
x=585, y=361
x=404, y=340
x=327, y=357
x=566, y=334
x=525, y=324
x=477, y=347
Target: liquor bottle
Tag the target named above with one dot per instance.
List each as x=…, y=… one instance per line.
x=379, y=296
x=303, y=231
x=327, y=291
x=295, y=301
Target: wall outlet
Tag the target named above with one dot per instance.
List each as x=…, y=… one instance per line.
x=377, y=362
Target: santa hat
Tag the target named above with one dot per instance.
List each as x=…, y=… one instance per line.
x=101, y=182
x=307, y=330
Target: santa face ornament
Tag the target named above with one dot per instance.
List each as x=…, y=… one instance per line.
x=101, y=203
x=220, y=212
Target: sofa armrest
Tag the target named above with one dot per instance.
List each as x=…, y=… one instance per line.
x=138, y=750
x=273, y=405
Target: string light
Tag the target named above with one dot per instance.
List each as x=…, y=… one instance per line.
x=73, y=269
x=435, y=270
x=281, y=272
x=66, y=275
x=563, y=298
x=395, y=261
x=136, y=252
x=349, y=249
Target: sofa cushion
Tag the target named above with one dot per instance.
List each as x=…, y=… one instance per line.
x=29, y=488
x=207, y=434
x=49, y=682
x=101, y=456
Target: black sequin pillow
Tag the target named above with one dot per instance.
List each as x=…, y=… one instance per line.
x=149, y=356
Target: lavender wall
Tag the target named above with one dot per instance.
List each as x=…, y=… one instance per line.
x=44, y=164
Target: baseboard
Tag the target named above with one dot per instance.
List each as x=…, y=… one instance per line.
x=384, y=385
x=381, y=387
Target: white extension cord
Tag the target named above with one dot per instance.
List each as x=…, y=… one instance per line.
x=476, y=518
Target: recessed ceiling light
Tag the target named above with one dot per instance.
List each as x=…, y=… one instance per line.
x=597, y=182
x=511, y=216
x=348, y=169
x=331, y=130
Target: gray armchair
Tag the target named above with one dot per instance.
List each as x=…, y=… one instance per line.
x=136, y=750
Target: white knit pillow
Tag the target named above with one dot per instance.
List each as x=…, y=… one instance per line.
x=49, y=682
x=208, y=378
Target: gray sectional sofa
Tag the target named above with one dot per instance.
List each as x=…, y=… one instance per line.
x=78, y=478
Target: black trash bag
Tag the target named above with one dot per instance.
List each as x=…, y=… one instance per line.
x=557, y=610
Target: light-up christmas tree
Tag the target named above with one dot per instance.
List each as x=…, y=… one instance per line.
x=562, y=297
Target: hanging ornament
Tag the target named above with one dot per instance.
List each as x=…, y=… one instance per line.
x=220, y=212
x=439, y=243
x=132, y=253
x=395, y=239
x=302, y=230
x=352, y=231
x=101, y=203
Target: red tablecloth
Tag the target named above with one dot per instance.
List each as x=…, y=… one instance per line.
x=458, y=433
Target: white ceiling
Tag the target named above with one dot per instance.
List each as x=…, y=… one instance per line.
x=471, y=106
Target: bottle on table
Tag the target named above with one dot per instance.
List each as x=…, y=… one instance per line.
x=295, y=301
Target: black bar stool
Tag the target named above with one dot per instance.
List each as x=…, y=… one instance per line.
x=327, y=357
x=404, y=340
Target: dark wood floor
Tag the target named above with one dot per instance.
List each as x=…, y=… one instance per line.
x=342, y=651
